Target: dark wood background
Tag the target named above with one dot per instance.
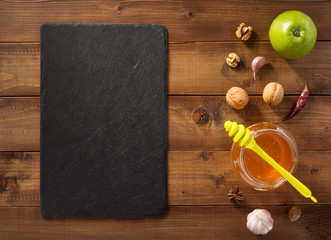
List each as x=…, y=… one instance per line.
x=201, y=34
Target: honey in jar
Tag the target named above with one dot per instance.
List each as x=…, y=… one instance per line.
x=254, y=170
x=277, y=148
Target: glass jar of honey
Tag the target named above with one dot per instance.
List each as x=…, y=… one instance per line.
x=254, y=170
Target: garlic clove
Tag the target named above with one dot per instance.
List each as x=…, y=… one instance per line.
x=260, y=221
x=257, y=64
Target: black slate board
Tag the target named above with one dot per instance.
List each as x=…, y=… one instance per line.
x=103, y=120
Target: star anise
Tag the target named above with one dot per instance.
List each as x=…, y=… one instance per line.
x=235, y=194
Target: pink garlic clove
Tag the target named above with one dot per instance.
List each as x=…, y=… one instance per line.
x=257, y=64
x=260, y=221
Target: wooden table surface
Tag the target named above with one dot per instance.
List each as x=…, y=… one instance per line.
x=201, y=34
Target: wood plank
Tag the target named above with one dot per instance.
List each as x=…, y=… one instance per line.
x=203, y=178
x=19, y=69
x=200, y=69
x=194, y=178
x=195, y=123
x=19, y=178
x=181, y=223
x=19, y=124
x=210, y=20
x=194, y=69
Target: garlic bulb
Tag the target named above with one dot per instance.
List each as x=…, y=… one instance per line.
x=260, y=221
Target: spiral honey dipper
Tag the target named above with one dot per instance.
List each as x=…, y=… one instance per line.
x=244, y=137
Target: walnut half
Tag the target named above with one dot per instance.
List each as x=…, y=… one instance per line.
x=233, y=60
x=243, y=32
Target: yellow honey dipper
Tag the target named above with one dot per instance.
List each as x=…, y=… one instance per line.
x=244, y=137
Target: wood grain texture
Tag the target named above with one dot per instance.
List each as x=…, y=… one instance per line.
x=204, y=177
x=194, y=178
x=19, y=124
x=181, y=223
x=19, y=178
x=19, y=69
x=210, y=20
x=200, y=69
x=195, y=123
x=194, y=69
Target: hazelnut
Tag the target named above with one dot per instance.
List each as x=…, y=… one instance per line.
x=233, y=60
x=273, y=93
x=294, y=213
x=237, y=98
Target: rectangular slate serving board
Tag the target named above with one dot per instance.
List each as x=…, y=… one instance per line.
x=103, y=120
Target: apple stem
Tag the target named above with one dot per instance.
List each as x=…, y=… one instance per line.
x=297, y=33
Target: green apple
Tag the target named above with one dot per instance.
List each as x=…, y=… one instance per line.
x=293, y=34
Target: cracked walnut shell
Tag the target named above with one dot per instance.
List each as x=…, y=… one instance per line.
x=243, y=32
x=233, y=60
x=237, y=98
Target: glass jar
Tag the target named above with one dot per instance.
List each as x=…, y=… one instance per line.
x=256, y=172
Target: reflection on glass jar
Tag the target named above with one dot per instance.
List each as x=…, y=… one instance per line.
x=254, y=170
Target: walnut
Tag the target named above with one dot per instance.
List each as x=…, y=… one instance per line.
x=273, y=93
x=237, y=98
x=243, y=32
x=233, y=60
